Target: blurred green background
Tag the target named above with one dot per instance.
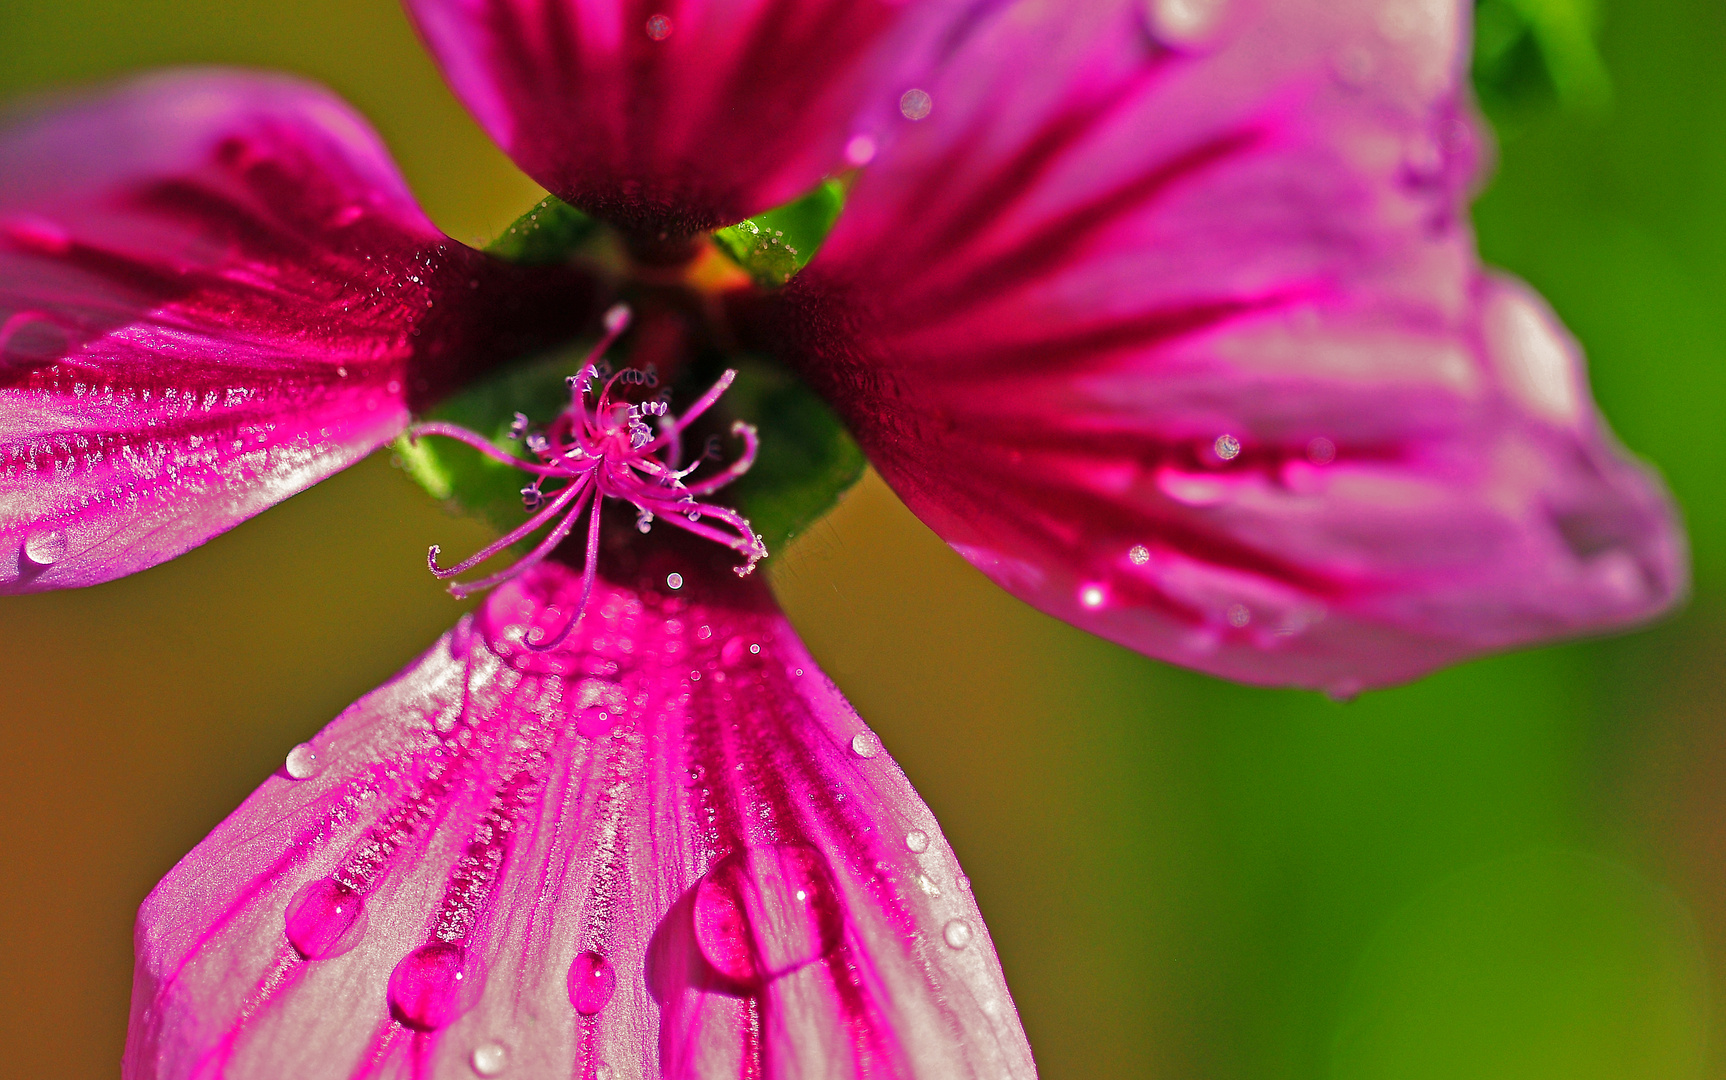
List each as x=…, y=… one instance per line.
x=1516, y=868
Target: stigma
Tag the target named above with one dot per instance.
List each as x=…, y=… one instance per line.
x=598, y=448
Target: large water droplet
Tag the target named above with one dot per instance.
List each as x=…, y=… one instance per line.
x=45, y=548
x=302, y=762
x=864, y=744
x=595, y=723
x=674, y=581
x=659, y=27
x=490, y=1059
x=957, y=934
x=1239, y=615
x=1321, y=451
x=1183, y=22
x=1139, y=554
x=324, y=919
x=766, y=912
x=860, y=150
x=915, y=104
x=1092, y=595
x=917, y=840
x=1227, y=447
x=592, y=981
x=426, y=986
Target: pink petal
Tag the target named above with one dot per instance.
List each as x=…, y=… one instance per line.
x=666, y=848
x=215, y=290
x=1169, y=319
x=679, y=117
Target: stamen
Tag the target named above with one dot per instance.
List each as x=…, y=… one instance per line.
x=603, y=449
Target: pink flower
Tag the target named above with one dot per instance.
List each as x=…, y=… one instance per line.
x=1164, y=312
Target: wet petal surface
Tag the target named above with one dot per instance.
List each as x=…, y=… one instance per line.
x=718, y=886
x=215, y=290
x=687, y=116
x=1177, y=332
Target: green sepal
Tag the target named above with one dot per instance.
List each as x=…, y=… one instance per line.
x=806, y=460
x=1529, y=51
x=549, y=233
x=773, y=246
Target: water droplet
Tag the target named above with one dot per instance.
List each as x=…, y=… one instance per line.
x=754, y=650
x=1239, y=615
x=674, y=581
x=865, y=744
x=957, y=934
x=731, y=651
x=490, y=1059
x=425, y=990
x=592, y=981
x=766, y=912
x=595, y=723
x=659, y=27
x=963, y=882
x=1183, y=22
x=324, y=919
x=915, y=104
x=1139, y=554
x=860, y=151
x=917, y=840
x=1227, y=447
x=45, y=548
x=1321, y=451
x=1092, y=596
x=302, y=762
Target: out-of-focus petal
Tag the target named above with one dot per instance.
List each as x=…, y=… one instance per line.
x=216, y=290
x=668, y=848
x=681, y=117
x=1168, y=317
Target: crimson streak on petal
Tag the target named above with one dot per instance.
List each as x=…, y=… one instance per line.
x=215, y=290
x=717, y=884
x=1174, y=327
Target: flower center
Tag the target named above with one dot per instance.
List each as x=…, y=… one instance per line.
x=600, y=447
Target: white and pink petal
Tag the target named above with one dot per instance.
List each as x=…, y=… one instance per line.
x=666, y=848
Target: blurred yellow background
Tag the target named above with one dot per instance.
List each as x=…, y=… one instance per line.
x=1513, y=869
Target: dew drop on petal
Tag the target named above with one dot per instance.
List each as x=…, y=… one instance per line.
x=1239, y=615
x=1183, y=22
x=915, y=104
x=860, y=151
x=302, y=763
x=674, y=581
x=766, y=912
x=324, y=919
x=592, y=981
x=917, y=840
x=1092, y=596
x=1139, y=554
x=659, y=27
x=1227, y=447
x=864, y=744
x=963, y=882
x=957, y=934
x=425, y=991
x=490, y=1059
x=595, y=723
x=45, y=548
x=1321, y=451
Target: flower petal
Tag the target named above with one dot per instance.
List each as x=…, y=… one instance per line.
x=1177, y=332
x=679, y=117
x=668, y=848
x=215, y=290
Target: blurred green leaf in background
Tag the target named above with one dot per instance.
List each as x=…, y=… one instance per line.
x=1513, y=869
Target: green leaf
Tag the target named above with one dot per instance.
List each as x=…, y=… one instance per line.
x=775, y=245
x=1528, y=50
